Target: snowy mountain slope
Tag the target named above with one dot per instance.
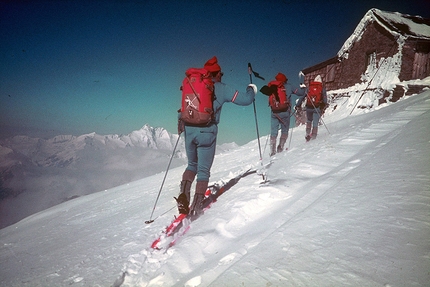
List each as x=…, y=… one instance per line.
x=348, y=209
x=350, y=217
x=36, y=174
x=323, y=211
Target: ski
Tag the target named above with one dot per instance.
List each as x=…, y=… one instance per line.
x=181, y=224
x=178, y=227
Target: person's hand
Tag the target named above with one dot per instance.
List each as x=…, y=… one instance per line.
x=254, y=87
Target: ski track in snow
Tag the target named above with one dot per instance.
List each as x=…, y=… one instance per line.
x=297, y=191
x=318, y=188
x=309, y=202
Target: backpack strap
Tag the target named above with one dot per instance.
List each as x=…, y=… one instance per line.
x=194, y=90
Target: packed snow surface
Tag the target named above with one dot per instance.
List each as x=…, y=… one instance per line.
x=350, y=208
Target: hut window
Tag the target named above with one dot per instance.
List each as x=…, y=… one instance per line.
x=421, y=67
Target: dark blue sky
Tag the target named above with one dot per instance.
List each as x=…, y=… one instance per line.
x=76, y=67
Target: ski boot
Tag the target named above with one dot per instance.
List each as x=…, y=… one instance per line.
x=183, y=200
x=308, y=131
x=314, y=133
x=272, y=146
x=197, y=206
x=282, y=141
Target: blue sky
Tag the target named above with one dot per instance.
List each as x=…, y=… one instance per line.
x=76, y=67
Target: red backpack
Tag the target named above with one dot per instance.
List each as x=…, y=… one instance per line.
x=278, y=102
x=197, y=97
x=314, y=94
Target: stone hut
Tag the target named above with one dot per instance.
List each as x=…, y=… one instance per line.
x=386, y=50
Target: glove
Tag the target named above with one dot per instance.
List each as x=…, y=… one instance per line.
x=265, y=90
x=254, y=87
x=181, y=126
x=274, y=90
x=302, y=85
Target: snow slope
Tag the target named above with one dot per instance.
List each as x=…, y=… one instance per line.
x=36, y=173
x=348, y=209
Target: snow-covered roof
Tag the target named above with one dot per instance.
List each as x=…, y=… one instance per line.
x=394, y=22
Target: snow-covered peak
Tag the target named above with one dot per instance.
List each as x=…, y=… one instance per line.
x=61, y=138
x=64, y=148
x=147, y=136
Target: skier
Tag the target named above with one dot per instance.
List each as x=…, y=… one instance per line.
x=200, y=141
x=316, y=102
x=279, y=102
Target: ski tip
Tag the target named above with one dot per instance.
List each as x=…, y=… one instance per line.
x=154, y=244
x=149, y=221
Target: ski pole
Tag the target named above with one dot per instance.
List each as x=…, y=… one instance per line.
x=279, y=118
x=256, y=121
x=162, y=183
x=255, y=112
x=267, y=140
x=291, y=136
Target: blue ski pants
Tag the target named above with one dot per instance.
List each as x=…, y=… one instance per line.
x=200, y=144
x=313, y=116
x=279, y=119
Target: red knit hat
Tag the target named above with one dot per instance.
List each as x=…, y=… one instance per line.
x=281, y=77
x=212, y=65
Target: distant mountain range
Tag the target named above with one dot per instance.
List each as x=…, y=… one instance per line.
x=64, y=150
x=36, y=173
